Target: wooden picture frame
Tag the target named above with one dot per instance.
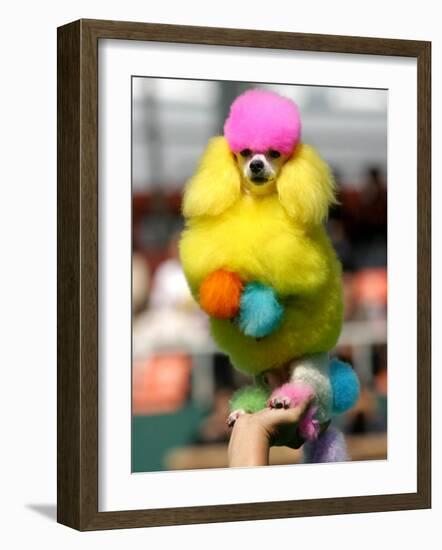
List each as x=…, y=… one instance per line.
x=77, y=225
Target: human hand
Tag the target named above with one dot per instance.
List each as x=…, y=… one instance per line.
x=253, y=434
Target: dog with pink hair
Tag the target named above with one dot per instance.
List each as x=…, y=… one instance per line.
x=259, y=262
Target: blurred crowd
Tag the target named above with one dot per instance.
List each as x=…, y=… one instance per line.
x=181, y=382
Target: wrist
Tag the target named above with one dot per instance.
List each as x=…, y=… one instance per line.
x=249, y=443
x=249, y=426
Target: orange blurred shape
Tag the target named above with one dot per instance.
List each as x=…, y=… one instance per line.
x=220, y=294
x=381, y=382
x=160, y=383
x=370, y=286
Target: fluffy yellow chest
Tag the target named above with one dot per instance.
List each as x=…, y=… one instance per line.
x=258, y=240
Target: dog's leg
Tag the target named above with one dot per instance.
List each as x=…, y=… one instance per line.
x=291, y=395
x=330, y=446
x=309, y=379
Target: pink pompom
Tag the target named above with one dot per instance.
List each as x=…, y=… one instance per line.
x=260, y=120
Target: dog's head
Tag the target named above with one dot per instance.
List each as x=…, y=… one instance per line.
x=261, y=154
x=259, y=171
x=262, y=130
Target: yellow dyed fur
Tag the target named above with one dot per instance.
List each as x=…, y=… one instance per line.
x=277, y=239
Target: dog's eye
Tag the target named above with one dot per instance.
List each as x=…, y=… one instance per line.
x=274, y=154
x=245, y=153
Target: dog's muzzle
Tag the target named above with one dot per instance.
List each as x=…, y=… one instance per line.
x=259, y=180
x=258, y=172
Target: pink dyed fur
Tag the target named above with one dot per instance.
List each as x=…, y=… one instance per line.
x=297, y=393
x=261, y=120
x=309, y=426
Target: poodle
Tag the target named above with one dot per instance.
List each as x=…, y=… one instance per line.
x=259, y=262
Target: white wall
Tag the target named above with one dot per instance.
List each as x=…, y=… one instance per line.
x=27, y=218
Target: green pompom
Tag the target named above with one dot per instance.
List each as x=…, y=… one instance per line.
x=250, y=398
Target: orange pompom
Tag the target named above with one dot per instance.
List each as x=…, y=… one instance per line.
x=220, y=293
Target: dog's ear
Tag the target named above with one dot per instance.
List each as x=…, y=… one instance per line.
x=216, y=185
x=306, y=186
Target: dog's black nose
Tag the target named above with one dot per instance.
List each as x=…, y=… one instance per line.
x=256, y=166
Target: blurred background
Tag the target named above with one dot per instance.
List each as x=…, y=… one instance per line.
x=181, y=383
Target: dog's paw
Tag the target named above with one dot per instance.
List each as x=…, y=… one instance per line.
x=233, y=417
x=290, y=395
x=280, y=402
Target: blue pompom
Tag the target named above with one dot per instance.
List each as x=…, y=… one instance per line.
x=260, y=312
x=345, y=386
